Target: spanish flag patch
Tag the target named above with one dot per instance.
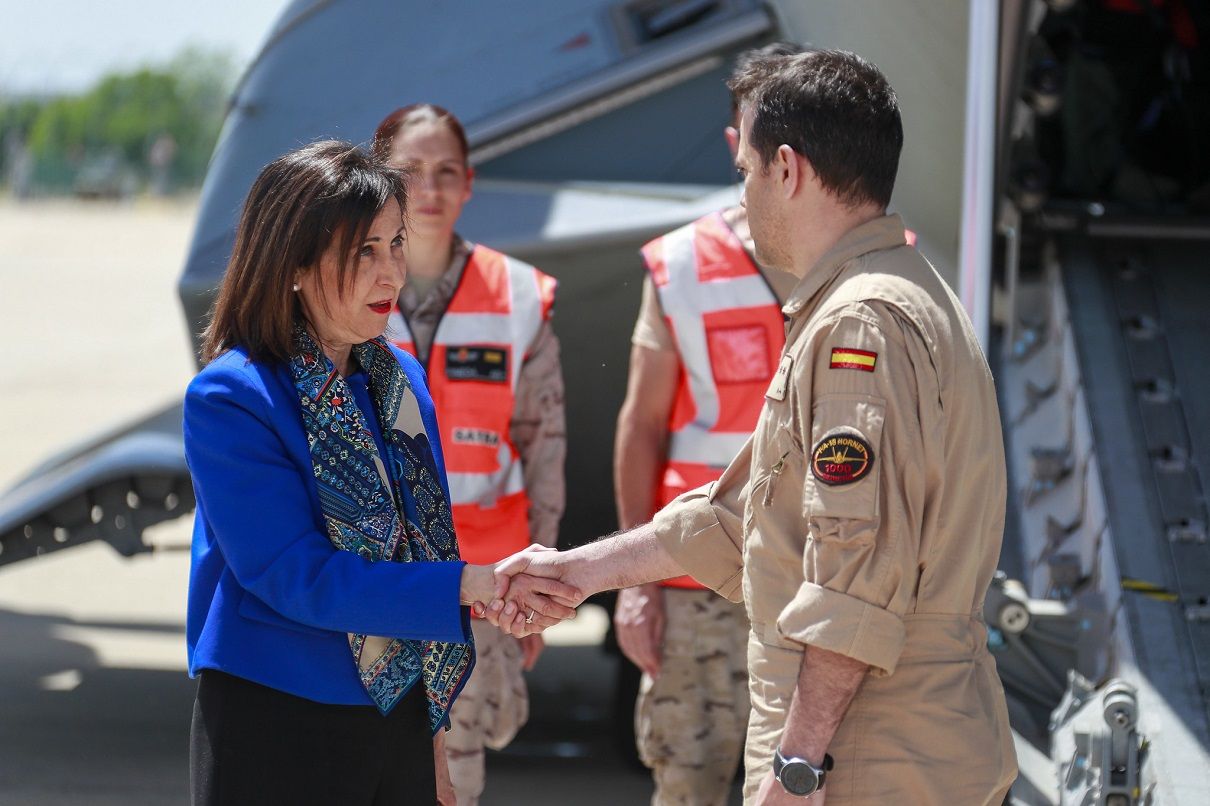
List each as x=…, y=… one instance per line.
x=847, y=358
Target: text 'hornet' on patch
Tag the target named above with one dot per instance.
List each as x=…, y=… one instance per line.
x=842, y=457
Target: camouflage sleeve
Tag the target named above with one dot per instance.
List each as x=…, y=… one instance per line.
x=538, y=430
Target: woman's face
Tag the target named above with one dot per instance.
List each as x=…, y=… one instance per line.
x=375, y=275
x=440, y=182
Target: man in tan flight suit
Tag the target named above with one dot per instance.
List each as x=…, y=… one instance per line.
x=862, y=522
x=691, y=713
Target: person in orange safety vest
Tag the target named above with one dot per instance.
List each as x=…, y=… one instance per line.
x=479, y=322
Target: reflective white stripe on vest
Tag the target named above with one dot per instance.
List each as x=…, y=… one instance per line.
x=484, y=488
x=516, y=329
x=526, y=305
x=695, y=446
x=685, y=299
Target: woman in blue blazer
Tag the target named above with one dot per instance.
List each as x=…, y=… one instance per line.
x=327, y=621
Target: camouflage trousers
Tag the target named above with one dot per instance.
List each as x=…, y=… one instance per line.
x=690, y=721
x=492, y=707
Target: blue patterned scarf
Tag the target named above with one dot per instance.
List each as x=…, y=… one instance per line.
x=392, y=512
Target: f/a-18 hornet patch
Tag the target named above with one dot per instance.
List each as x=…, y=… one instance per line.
x=848, y=358
x=841, y=457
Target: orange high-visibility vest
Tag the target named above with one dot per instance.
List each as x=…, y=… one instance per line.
x=728, y=329
x=473, y=365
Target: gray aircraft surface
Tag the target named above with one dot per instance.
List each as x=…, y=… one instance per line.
x=1056, y=171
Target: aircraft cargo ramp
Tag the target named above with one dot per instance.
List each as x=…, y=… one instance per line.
x=1107, y=409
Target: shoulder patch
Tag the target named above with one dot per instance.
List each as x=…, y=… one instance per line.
x=842, y=456
x=781, y=379
x=849, y=358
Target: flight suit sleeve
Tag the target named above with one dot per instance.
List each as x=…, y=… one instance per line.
x=703, y=529
x=862, y=500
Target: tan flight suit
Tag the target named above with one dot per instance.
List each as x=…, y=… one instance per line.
x=864, y=517
x=690, y=721
x=494, y=704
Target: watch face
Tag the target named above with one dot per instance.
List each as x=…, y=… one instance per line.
x=798, y=778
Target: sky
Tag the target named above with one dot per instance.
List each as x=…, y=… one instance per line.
x=51, y=46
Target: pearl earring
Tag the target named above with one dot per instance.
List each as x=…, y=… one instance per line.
x=296, y=286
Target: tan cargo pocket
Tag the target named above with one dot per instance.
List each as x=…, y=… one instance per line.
x=844, y=462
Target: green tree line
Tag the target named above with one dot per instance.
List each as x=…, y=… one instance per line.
x=154, y=124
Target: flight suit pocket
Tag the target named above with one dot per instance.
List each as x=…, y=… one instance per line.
x=844, y=466
x=782, y=460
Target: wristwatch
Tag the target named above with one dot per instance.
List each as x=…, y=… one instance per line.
x=798, y=776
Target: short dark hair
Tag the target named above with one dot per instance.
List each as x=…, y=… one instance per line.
x=412, y=115
x=746, y=59
x=835, y=109
x=298, y=206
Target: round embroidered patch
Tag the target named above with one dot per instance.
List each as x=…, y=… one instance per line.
x=841, y=457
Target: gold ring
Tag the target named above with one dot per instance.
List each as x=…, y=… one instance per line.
x=530, y=618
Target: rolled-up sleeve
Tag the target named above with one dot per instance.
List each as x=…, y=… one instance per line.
x=845, y=625
x=703, y=529
x=863, y=490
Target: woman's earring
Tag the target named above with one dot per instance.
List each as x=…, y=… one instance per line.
x=296, y=286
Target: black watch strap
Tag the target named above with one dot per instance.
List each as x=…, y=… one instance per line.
x=825, y=768
x=821, y=772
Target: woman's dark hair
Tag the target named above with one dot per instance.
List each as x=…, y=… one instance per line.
x=299, y=205
x=408, y=116
x=832, y=107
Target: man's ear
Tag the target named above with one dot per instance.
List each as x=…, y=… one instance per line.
x=789, y=167
x=732, y=136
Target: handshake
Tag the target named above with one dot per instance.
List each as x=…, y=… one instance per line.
x=538, y=587
x=524, y=594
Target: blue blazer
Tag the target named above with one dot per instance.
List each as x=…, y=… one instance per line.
x=270, y=599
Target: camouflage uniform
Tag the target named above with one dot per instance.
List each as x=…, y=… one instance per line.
x=689, y=722
x=494, y=705
x=490, y=710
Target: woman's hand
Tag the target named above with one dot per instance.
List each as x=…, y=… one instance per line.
x=479, y=584
x=534, y=568
x=445, y=787
x=535, y=602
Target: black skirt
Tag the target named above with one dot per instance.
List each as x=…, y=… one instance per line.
x=251, y=744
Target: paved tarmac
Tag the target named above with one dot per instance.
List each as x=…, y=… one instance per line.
x=94, y=699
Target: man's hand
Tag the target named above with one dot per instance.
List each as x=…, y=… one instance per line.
x=535, y=567
x=638, y=621
x=524, y=603
x=531, y=648
x=539, y=561
x=772, y=793
x=622, y=561
x=537, y=602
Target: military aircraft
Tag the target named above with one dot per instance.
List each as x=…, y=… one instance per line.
x=1055, y=170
